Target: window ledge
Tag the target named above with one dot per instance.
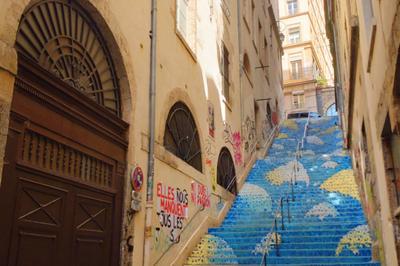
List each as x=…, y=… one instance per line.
x=173, y=161
x=187, y=46
x=227, y=103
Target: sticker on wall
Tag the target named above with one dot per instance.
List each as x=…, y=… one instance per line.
x=137, y=179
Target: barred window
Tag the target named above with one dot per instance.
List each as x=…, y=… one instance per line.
x=226, y=175
x=181, y=136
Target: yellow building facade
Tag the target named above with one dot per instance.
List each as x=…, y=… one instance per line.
x=307, y=62
x=365, y=44
x=83, y=163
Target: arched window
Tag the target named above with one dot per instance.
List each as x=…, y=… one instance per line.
x=226, y=175
x=181, y=136
x=331, y=111
x=63, y=39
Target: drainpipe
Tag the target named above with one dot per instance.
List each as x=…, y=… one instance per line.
x=338, y=85
x=150, y=164
x=239, y=26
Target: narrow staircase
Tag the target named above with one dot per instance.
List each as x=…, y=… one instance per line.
x=297, y=206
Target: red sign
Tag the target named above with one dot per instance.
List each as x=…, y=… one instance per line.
x=137, y=179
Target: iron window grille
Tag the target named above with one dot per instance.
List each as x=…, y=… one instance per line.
x=181, y=135
x=226, y=175
x=61, y=38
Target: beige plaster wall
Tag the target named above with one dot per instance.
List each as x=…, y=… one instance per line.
x=373, y=100
x=193, y=77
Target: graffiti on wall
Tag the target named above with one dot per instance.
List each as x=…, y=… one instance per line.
x=209, y=149
x=249, y=134
x=213, y=175
x=200, y=195
x=210, y=152
x=266, y=129
x=211, y=120
x=172, y=209
x=234, y=139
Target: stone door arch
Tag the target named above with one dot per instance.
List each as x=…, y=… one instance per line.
x=61, y=191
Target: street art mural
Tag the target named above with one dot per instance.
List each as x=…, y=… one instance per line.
x=207, y=252
x=322, y=211
x=200, y=195
x=357, y=238
x=329, y=208
x=172, y=209
x=284, y=173
x=234, y=139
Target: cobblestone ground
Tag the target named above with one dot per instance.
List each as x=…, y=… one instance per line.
x=327, y=225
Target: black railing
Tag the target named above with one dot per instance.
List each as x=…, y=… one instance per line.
x=293, y=182
x=303, y=73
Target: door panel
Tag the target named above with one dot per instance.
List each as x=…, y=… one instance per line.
x=61, y=192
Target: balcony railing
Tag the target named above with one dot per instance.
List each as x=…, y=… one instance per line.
x=306, y=73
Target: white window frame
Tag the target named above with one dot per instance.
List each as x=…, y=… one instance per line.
x=292, y=7
x=186, y=26
x=298, y=100
x=291, y=32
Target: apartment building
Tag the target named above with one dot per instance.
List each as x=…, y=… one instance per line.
x=307, y=62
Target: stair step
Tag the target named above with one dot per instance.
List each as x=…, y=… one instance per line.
x=305, y=241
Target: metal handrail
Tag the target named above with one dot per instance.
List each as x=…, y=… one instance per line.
x=305, y=130
x=179, y=236
x=270, y=233
x=231, y=183
x=300, y=146
x=271, y=134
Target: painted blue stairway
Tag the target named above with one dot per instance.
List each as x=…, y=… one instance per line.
x=327, y=224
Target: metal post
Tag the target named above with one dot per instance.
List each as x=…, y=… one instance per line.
x=276, y=239
x=282, y=223
x=265, y=259
x=291, y=184
x=288, y=208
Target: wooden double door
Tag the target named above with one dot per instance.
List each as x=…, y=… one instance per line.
x=61, y=191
